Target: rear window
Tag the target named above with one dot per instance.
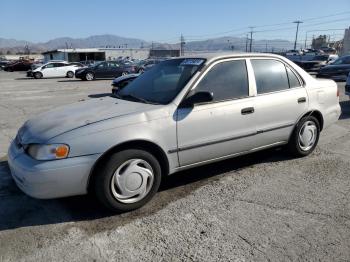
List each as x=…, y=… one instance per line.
x=270, y=75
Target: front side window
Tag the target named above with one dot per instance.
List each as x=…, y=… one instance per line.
x=162, y=83
x=226, y=80
x=48, y=66
x=270, y=75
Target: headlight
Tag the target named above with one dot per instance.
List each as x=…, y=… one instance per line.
x=48, y=152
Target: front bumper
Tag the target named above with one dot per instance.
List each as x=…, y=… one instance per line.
x=50, y=179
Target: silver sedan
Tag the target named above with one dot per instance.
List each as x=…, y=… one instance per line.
x=182, y=113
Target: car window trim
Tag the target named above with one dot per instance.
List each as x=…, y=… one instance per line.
x=205, y=72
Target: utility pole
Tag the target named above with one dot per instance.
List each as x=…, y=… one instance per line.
x=246, y=43
x=266, y=47
x=296, y=34
x=251, y=38
x=182, y=45
x=305, y=40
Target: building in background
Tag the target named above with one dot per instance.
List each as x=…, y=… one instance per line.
x=97, y=54
x=164, y=53
x=346, y=42
x=319, y=42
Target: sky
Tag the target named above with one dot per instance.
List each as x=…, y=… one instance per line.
x=165, y=21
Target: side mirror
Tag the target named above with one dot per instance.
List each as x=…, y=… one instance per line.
x=197, y=98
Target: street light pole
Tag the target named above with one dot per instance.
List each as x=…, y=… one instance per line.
x=296, y=34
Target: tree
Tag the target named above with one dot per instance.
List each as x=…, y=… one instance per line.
x=8, y=52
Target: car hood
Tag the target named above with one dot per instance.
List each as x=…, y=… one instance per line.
x=64, y=119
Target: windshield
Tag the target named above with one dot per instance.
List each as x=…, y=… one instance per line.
x=163, y=82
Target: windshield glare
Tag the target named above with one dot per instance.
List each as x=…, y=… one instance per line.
x=163, y=82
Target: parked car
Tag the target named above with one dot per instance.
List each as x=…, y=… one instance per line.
x=338, y=70
x=145, y=65
x=3, y=64
x=315, y=64
x=347, y=86
x=55, y=69
x=185, y=112
x=122, y=81
x=20, y=65
x=106, y=69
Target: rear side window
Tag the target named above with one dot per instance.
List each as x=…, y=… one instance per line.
x=226, y=80
x=293, y=79
x=270, y=76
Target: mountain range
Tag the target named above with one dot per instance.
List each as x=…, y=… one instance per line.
x=114, y=41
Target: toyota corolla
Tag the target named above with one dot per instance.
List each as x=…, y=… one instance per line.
x=182, y=113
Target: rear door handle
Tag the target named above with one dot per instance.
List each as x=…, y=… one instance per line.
x=247, y=110
x=301, y=100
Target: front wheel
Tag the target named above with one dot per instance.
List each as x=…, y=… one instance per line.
x=89, y=76
x=129, y=179
x=38, y=75
x=304, y=137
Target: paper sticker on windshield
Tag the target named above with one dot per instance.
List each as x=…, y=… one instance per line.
x=192, y=62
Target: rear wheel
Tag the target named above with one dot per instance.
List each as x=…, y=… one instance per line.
x=38, y=75
x=89, y=76
x=128, y=180
x=304, y=137
x=70, y=74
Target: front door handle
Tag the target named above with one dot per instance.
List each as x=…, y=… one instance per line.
x=247, y=110
x=301, y=100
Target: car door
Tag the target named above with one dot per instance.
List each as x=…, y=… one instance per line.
x=60, y=69
x=223, y=127
x=114, y=70
x=48, y=70
x=100, y=70
x=281, y=100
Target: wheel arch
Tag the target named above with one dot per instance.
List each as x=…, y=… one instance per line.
x=148, y=146
x=317, y=114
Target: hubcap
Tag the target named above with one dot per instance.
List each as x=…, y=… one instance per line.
x=307, y=135
x=132, y=181
x=89, y=76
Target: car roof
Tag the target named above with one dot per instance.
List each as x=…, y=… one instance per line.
x=216, y=56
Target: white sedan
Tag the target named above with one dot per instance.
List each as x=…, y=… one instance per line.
x=56, y=69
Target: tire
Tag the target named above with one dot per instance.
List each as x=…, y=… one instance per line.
x=89, y=76
x=125, y=73
x=70, y=74
x=144, y=175
x=305, y=137
x=37, y=75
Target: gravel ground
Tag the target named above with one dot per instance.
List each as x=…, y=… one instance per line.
x=261, y=207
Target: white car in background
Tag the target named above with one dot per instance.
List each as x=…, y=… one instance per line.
x=56, y=69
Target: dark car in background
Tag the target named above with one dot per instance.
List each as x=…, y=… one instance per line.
x=314, y=64
x=106, y=69
x=20, y=65
x=122, y=81
x=3, y=64
x=144, y=65
x=338, y=70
